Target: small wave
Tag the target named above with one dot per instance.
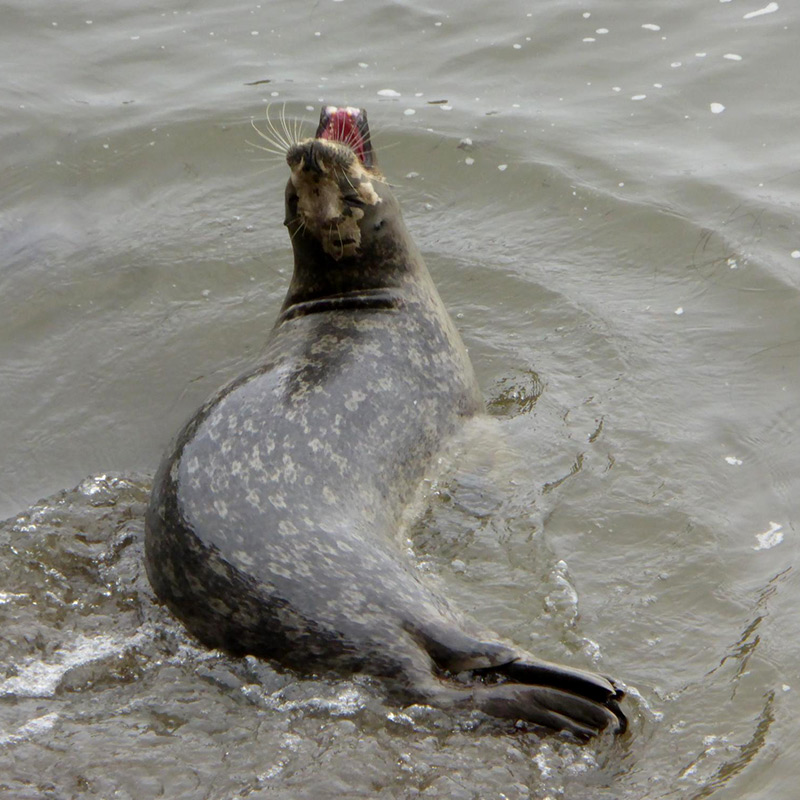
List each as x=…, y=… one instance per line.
x=39, y=678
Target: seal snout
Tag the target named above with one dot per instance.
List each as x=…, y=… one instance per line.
x=312, y=158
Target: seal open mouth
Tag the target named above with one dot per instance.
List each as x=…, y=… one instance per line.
x=349, y=126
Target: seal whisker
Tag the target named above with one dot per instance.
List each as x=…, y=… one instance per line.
x=346, y=178
x=300, y=228
x=275, y=132
x=265, y=136
x=278, y=145
x=298, y=128
x=293, y=127
x=280, y=153
x=291, y=135
x=265, y=170
x=282, y=117
x=389, y=146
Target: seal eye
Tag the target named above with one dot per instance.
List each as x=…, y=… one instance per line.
x=378, y=225
x=353, y=200
x=291, y=207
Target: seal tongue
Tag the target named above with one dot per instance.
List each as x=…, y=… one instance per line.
x=348, y=126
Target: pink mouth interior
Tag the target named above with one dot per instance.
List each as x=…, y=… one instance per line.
x=343, y=128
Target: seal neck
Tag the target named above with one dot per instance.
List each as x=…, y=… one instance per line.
x=323, y=279
x=387, y=264
x=360, y=300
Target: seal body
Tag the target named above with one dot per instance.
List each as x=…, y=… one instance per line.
x=274, y=518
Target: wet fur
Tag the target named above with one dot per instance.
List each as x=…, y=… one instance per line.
x=272, y=526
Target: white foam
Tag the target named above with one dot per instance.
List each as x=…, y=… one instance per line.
x=32, y=727
x=41, y=678
x=770, y=538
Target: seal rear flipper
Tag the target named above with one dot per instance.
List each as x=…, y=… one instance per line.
x=529, y=670
x=552, y=695
x=454, y=650
x=543, y=706
x=575, y=693
x=550, y=708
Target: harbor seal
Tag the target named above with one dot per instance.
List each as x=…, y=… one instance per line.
x=273, y=523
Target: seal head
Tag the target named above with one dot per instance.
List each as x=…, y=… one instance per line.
x=332, y=181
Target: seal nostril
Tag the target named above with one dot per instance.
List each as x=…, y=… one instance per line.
x=312, y=159
x=379, y=224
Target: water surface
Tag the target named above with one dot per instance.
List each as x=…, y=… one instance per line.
x=607, y=197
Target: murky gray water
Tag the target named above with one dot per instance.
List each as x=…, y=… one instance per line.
x=619, y=242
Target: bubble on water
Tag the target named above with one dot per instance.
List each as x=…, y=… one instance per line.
x=342, y=702
x=769, y=538
x=10, y=597
x=541, y=763
x=770, y=8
